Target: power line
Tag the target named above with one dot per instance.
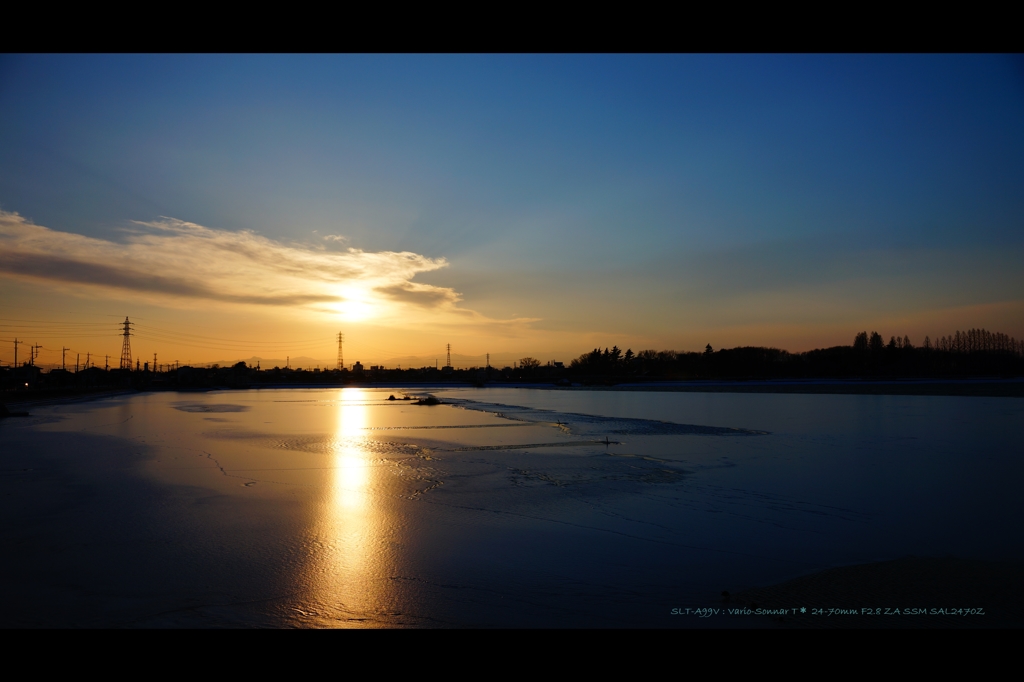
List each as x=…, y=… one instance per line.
x=168, y=332
x=52, y=333
x=230, y=346
x=61, y=323
x=51, y=329
x=237, y=345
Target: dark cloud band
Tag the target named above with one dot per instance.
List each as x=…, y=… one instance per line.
x=56, y=268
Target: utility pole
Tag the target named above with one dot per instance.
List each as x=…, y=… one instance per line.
x=88, y=356
x=63, y=352
x=488, y=361
x=154, y=363
x=126, y=346
x=78, y=356
x=341, y=358
x=16, y=342
x=106, y=362
x=35, y=354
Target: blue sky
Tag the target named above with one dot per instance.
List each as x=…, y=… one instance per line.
x=661, y=198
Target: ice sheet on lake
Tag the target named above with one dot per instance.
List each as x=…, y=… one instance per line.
x=593, y=425
x=214, y=407
x=323, y=443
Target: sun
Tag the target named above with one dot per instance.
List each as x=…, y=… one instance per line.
x=355, y=305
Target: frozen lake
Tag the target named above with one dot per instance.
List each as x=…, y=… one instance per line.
x=502, y=507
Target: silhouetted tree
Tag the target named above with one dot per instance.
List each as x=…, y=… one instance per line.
x=876, y=343
x=860, y=342
x=529, y=363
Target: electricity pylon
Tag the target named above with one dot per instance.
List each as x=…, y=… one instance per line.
x=341, y=358
x=126, y=347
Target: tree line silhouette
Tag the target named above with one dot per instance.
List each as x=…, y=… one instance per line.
x=976, y=352
x=963, y=354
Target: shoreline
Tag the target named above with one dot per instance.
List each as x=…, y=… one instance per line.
x=982, y=388
x=997, y=388
x=64, y=399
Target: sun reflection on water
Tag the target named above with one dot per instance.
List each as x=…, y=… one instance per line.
x=351, y=572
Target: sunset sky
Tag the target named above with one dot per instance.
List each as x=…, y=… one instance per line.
x=254, y=206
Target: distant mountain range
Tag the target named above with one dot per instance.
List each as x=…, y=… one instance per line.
x=269, y=363
x=498, y=360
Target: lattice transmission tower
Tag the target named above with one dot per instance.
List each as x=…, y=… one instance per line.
x=341, y=358
x=126, y=346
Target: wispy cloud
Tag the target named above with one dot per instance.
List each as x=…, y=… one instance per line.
x=173, y=259
x=423, y=295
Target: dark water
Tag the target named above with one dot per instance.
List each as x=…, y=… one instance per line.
x=504, y=507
